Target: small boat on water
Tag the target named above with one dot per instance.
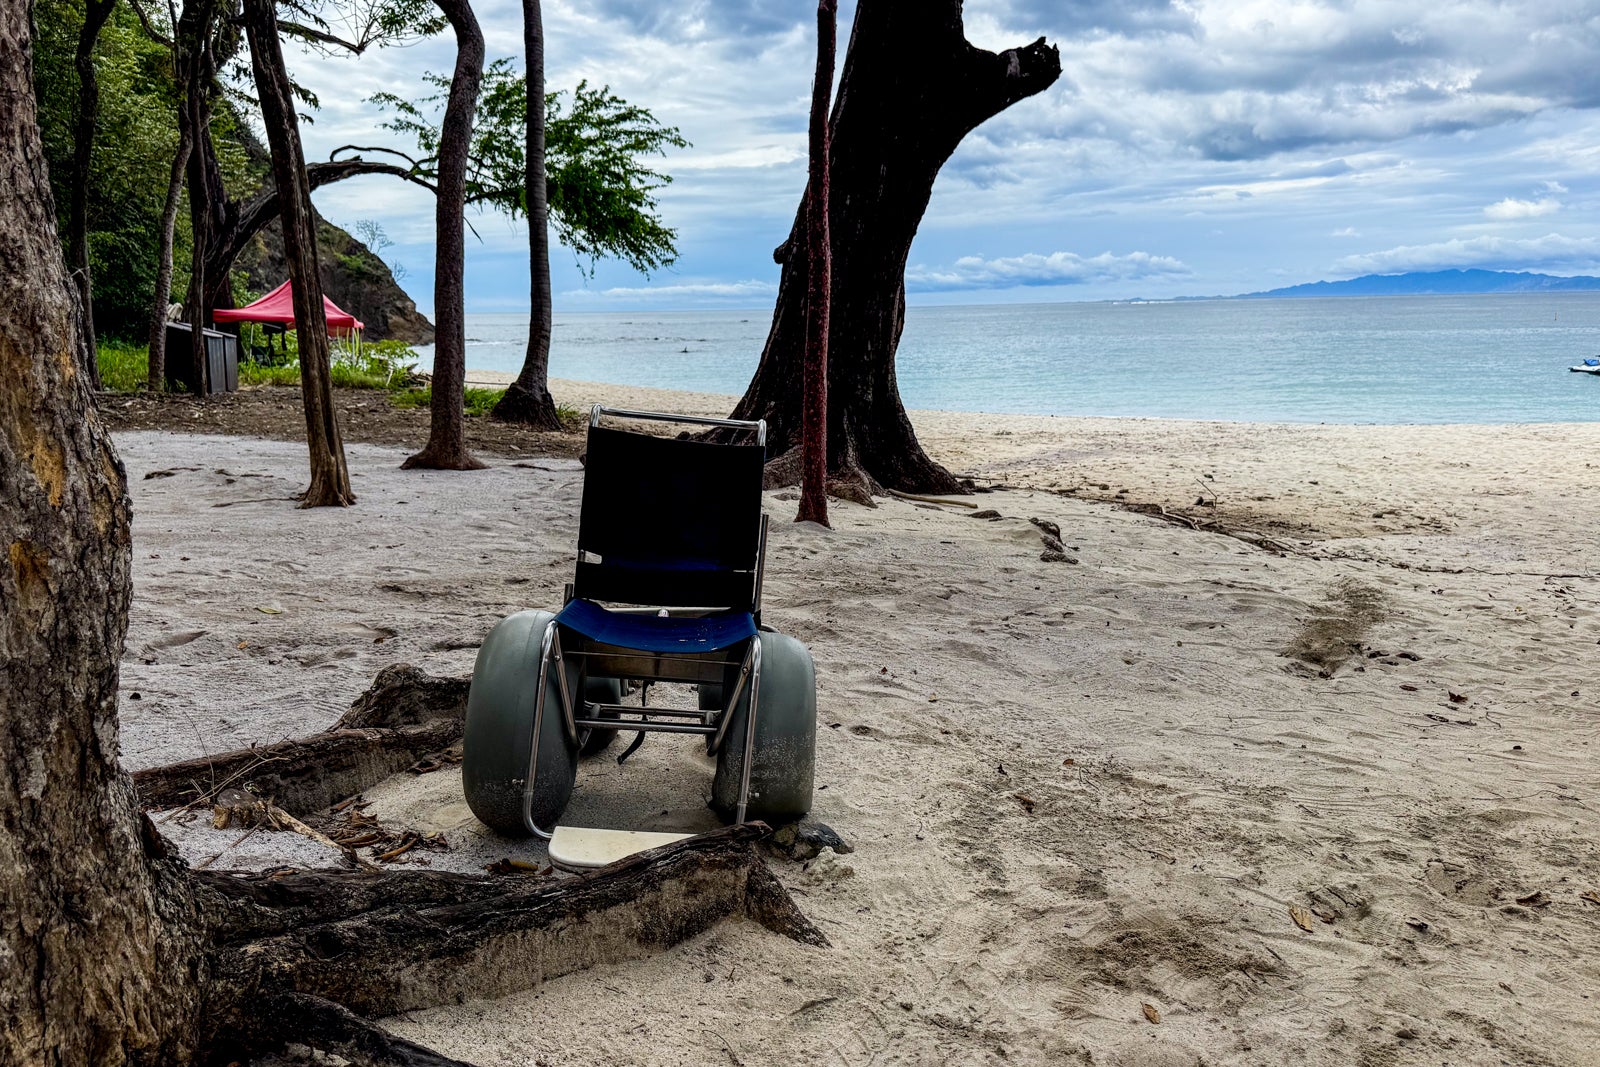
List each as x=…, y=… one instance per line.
x=1588, y=366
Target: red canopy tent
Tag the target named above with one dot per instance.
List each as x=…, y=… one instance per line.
x=278, y=307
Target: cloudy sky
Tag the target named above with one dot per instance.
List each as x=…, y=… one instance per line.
x=1191, y=147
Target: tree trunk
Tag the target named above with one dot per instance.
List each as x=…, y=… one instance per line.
x=528, y=400
x=95, y=14
x=814, y=413
x=912, y=88
x=330, y=478
x=446, y=448
x=163, y=294
x=197, y=75
x=96, y=969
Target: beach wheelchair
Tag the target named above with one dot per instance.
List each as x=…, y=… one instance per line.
x=667, y=588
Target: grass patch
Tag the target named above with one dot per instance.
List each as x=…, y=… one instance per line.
x=478, y=401
x=344, y=376
x=256, y=374
x=124, y=365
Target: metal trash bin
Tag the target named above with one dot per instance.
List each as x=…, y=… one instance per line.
x=222, y=360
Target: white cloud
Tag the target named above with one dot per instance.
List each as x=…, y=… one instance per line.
x=1304, y=124
x=1552, y=252
x=1510, y=208
x=1034, y=269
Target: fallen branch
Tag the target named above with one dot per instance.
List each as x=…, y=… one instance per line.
x=931, y=499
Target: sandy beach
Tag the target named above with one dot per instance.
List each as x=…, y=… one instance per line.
x=1298, y=760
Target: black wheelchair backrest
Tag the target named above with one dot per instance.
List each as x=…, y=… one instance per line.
x=669, y=521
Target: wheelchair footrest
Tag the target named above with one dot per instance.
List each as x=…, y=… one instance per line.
x=583, y=848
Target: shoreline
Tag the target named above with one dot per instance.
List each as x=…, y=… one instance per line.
x=490, y=379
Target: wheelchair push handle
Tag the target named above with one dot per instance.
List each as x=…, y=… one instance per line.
x=758, y=425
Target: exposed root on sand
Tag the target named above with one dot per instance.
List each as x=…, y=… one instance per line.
x=298, y=961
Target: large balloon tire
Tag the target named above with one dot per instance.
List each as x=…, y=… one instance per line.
x=498, y=737
x=783, y=775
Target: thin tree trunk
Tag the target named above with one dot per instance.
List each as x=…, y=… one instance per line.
x=912, y=88
x=163, y=293
x=95, y=14
x=330, y=478
x=197, y=73
x=814, y=417
x=95, y=969
x=528, y=399
x=446, y=448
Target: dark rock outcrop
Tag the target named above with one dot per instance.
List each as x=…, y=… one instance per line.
x=352, y=277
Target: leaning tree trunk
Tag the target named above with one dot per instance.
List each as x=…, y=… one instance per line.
x=158, y=303
x=95, y=970
x=528, y=400
x=912, y=88
x=446, y=448
x=95, y=14
x=330, y=478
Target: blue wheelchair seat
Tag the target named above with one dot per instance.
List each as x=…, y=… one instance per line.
x=656, y=633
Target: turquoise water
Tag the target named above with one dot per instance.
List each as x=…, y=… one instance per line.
x=1482, y=359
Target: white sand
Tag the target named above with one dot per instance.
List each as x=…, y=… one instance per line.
x=1188, y=783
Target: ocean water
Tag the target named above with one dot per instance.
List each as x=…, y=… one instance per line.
x=1440, y=359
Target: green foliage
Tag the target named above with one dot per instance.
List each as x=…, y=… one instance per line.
x=601, y=191
x=123, y=365
x=477, y=401
x=281, y=374
x=378, y=365
x=135, y=138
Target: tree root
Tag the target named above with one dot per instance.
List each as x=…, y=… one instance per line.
x=387, y=943
x=850, y=482
x=299, y=1030
x=403, y=695
x=298, y=961
x=405, y=715
x=300, y=776
x=526, y=408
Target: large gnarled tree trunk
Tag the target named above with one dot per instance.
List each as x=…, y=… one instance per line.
x=528, y=400
x=85, y=914
x=330, y=477
x=446, y=448
x=912, y=88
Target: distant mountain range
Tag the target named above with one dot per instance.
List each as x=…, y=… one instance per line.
x=1434, y=282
